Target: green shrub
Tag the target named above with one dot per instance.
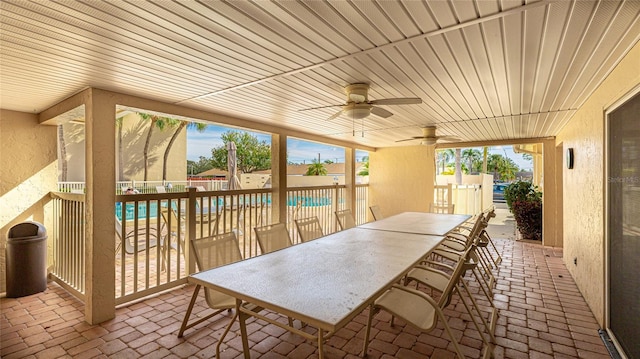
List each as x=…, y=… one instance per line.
x=525, y=202
x=521, y=191
x=528, y=215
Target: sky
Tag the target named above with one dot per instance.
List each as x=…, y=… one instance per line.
x=299, y=151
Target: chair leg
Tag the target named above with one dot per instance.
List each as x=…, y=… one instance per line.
x=475, y=305
x=453, y=339
x=196, y=290
x=226, y=331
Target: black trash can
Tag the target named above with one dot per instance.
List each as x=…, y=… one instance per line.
x=26, y=259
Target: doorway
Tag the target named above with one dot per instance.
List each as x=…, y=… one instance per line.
x=623, y=242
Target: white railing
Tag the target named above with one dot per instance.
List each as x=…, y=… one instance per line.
x=150, y=186
x=467, y=198
x=68, y=246
x=152, y=230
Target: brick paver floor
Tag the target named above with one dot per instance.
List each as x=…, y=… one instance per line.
x=541, y=315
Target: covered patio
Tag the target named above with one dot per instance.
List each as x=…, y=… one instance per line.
x=370, y=75
x=542, y=315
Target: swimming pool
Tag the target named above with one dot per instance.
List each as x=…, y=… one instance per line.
x=152, y=208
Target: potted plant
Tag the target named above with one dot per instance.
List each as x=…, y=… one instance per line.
x=524, y=200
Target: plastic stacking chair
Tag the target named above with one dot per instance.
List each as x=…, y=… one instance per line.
x=416, y=308
x=272, y=237
x=375, y=212
x=437, y=279
x=309, y=228
x=175, y=227
x=211, y=252
x=436, y=208
x=345, y=219
x=136, y=239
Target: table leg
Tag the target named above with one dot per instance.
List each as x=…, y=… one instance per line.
x=242, y=317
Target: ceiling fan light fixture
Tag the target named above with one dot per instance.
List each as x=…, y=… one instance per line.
x=357, y=113
x=428, y=141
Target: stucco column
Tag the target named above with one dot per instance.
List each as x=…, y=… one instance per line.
x=279, y=178
x=550, y=208
x=100, y=131
x=350, y=178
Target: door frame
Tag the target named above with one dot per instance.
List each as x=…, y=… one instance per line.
x=607, y=305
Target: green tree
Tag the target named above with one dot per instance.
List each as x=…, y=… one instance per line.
x=316, y=169
x=504, y=169
x=365, y=168
x=203, y=164
x=252, y=154
x=472, y=157
x=458, y=163
x=444, y=157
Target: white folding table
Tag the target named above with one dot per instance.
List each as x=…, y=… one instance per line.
x=324, y=283
x=438, y=224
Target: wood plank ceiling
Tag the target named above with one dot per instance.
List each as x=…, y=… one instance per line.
x=485, y=69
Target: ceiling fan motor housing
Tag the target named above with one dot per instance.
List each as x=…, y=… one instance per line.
x=357, y=93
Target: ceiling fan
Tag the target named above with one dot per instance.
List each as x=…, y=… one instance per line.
x=429, y=137
x=358, y=105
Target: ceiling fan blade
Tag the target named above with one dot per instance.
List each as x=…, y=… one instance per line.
x=320, y=107
x=379, y=111
x=335, y=115
x=397, y=101
x=411, y=139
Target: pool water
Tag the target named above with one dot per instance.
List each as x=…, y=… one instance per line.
x=306, y=201
x=142, y=210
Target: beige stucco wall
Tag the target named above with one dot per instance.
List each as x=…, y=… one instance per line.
x=584, y=185
x=134, y=135
x=401, y=179
x=28, y=172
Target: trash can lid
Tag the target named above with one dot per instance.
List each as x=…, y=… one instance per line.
x=27, y=229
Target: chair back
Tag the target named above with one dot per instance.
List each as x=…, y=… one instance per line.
x=161, y=189
x=458, y=271
x=345, y=219
x=215, y=251
x=309, y=228
x=436, y=208
x=375, y=212
x=175, y=226
x=272, y=237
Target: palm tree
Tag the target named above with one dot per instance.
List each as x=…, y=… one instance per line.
x=365, y=168
x=458, y=165
x=504, y=169
x=445, y=156
x=171, y=123
x=316, y=169
x=472, y=157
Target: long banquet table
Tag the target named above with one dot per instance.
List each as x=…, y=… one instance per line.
x=438, y=224
x=326, y=282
